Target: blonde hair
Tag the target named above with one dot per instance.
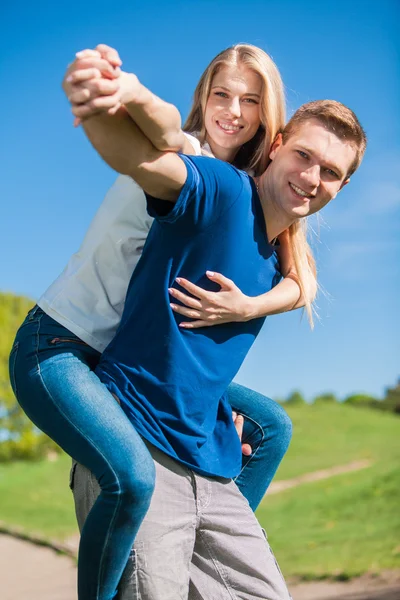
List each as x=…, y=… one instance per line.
x=254, y=154
x=304, y=262
x=341, y=121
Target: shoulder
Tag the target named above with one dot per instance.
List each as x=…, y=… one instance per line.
x=213, y=169
x=216, y=178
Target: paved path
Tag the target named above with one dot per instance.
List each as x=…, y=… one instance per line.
x=29, y=571
x=280, y=486
x=32, y=572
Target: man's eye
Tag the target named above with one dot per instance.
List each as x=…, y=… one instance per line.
x=302, y=154
x=332, y=173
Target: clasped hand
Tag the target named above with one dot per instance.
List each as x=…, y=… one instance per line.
x=94, y=83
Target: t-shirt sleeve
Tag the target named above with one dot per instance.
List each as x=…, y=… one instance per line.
x=211, y=188
x=125, y=191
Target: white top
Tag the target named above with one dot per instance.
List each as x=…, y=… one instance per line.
x=88, y=297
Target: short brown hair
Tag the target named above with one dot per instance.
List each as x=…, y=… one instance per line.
x=338, y=119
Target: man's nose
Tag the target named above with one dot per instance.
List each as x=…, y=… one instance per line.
x=312, y=176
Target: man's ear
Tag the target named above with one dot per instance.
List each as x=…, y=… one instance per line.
x=277, y=143
x=345, y=182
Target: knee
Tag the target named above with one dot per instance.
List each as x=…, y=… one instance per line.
x=137, y=486
x=282, y=426
x=133, y=483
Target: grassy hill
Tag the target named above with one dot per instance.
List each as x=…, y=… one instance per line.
x=347, y=524
x=342, y=526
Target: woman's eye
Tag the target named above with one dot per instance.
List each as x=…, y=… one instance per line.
x=250, y=100
x=221, y=94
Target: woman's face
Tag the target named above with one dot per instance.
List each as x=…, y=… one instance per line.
x=232, y=115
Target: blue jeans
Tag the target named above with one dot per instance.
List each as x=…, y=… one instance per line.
x=51, y=375
x=268, y=430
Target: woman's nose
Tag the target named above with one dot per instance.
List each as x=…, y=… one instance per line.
x=234, y=107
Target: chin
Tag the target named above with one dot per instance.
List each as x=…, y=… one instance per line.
x=300, y=212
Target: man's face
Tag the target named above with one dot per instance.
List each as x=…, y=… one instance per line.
x=309, y=169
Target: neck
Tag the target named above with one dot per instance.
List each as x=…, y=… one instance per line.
x=276, y=221
x=225, y=154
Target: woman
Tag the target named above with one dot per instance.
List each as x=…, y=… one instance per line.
x=57, y=348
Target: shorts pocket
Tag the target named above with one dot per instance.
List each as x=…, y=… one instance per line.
x=128, y=588
x=273, y=557
x=72, y=474
x=11, y=366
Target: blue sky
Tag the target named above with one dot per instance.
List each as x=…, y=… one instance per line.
x=52, y=181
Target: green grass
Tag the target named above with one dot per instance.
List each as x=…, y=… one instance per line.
x=336, y=434
x=348, y=524
x=342, y=526
x=35, y=497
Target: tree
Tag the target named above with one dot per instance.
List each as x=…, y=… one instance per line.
x=363, y=400
x=19, y=438
x=391, y=400
x=295, y=397
x=325, y=398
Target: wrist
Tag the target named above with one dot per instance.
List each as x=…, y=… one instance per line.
x=130, y=89
x=250, y=309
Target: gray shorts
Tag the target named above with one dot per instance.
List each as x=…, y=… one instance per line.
x=199, y=540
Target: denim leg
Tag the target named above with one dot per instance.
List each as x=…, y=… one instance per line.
x=50, y=369
x=268, y=429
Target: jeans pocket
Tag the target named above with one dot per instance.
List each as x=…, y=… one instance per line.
x=128, y=588
x=11, y=366
x=31, y=314
x=71, y=339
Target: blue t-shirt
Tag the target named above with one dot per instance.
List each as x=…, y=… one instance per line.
x=172, y=381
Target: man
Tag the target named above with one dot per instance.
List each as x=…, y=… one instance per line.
x=171, y=383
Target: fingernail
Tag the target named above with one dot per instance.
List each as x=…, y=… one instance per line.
x=210, y=273
x=69, y=78
x=79, y=54
x=178, y=279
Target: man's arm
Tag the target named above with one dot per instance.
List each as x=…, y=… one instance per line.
x=89, y=93
x=126, y=149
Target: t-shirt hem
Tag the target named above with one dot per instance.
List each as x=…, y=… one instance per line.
x=113, y=388
x=84, y=335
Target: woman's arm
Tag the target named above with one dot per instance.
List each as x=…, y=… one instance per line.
x=230, y=304
x=160, y=121
x=118, y=140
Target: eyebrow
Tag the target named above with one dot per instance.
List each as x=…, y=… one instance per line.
x=328, y=165
x=228, y=90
